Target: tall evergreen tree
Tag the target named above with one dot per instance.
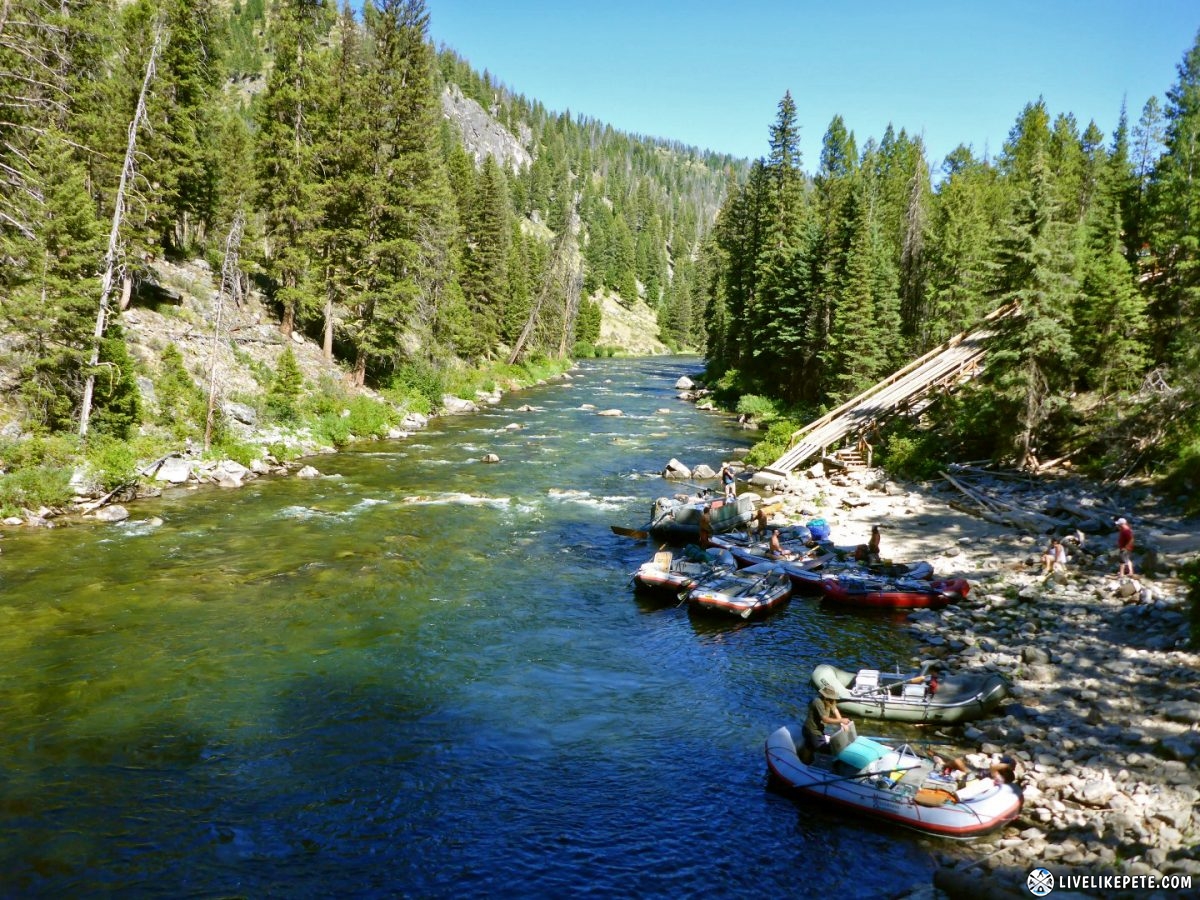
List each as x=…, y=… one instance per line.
x=1031, y=367
x=286, y=160
x=1175, y=232
x=409, y=268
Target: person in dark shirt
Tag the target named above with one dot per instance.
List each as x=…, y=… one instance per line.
x=822, y=711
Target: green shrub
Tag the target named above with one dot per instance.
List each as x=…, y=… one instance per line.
x=283, y=451
x=286, y=388
x=1183, y=474
x=111, y=462
x=1189, y=572
x=773, y=444
x=418, y=386
x=760, y=409
x=238, y=451
x=60, y=450
x=361, y=417
x=34, y=487
x=182, y=406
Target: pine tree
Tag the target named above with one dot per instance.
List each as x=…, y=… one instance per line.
x=967, y=211
x=485, y=273
x=1110, y=319
x=51, y=302
x=182, y=123
x=1031, y=366
x=1175, y=231
x=285, y=158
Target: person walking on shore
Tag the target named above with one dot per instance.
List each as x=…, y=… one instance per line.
x=728, y=481
x=1125, y=547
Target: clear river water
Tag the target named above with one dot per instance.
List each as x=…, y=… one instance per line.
x=419, y=675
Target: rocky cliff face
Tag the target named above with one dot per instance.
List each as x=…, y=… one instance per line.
x=482, y=135
x=632, y=328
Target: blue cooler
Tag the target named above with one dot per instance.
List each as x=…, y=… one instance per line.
x=819, y=529
x=861, y=753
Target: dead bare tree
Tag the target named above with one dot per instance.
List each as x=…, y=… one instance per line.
x=231, y=284
x=110, y=256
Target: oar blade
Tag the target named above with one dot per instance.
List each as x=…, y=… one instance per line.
x=635, y=533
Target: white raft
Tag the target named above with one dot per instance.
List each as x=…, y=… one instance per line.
x=892, y=784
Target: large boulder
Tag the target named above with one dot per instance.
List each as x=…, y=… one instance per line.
x=114, y=513
x=684, y=384
x=457, y=405
x=677, y=471
x=229, y=473
x=174, y=470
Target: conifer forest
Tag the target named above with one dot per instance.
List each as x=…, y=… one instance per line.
x=302, y=151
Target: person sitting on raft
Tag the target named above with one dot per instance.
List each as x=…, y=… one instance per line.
x=777, y=551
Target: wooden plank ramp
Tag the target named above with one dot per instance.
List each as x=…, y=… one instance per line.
x=950, y=363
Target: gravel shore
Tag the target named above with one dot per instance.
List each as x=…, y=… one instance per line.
x=1104, y=713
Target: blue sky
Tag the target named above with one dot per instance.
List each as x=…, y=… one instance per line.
x=711, y=74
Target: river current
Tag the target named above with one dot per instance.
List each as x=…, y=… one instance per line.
x=419, y=675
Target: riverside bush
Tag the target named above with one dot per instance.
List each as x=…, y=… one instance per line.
x=36, y=472
x=758, y=408
x=417, y=386
x=773, y=443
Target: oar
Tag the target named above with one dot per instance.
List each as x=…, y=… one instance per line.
x=853, y=777
x=896, y=740
x=636, y=533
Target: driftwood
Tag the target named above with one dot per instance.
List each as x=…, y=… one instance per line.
x=1004, y=513
x=145, y=472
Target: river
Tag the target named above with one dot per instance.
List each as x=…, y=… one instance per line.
x=419, y=675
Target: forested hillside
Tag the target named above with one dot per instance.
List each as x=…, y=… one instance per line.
x=303, y=151
x=818, y=285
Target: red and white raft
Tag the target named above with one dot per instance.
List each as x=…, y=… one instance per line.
x=892, y=593
x=892, y=783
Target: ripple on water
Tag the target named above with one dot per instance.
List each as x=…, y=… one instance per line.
x=417, y=681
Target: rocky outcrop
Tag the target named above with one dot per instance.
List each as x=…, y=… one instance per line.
x=482, y=135
x=630, y=327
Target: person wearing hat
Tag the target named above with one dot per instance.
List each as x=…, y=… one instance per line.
x=821, y=712
x=1125, y=547
x=729, y=482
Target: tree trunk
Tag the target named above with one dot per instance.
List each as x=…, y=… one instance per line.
x=327, y=343
x=360, y=369
x=110, y=257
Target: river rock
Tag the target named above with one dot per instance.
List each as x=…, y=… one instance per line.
x=240, y=412
x=1185, y=711
x=229, y=473
x=684, y=384
x=1095, y=792
x=613, y=413
x=414, y=421
x=703, y=472
x=308, y=472
x=490, y=458
x=114, y=513
x=1182, y=747
x=676, y=471
x=175, y=470
x=457, y=405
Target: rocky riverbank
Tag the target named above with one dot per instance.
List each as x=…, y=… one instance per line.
x=1104, y=715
